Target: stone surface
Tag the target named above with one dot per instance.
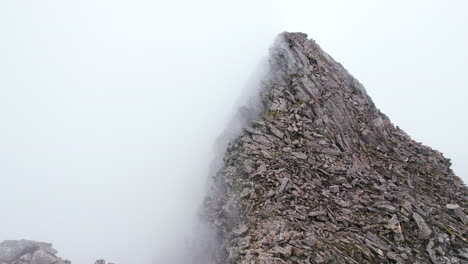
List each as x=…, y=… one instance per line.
x=322, y=176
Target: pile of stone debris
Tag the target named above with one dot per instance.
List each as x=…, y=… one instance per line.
x=31, y=252
x=322, y=176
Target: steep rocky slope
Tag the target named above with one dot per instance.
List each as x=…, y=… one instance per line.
x=322, y=176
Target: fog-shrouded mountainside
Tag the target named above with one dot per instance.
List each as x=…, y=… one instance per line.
x=322, y=176
x=317, y=175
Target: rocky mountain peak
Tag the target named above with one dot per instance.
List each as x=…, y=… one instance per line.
x=322, y=176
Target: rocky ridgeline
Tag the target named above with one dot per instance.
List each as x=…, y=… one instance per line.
x=322, y=176
x=31, y=252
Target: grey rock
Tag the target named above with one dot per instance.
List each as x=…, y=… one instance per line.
x=319, y=259
x=452, y=206
x=461, y=215
x=334, y=188
x=317, y=213
x=299, y=155
x=245, y=193
x=284, y=182
x=240, y=230
x=282, y=251
x=377, y=241
x=276, y=132
x=102, y=261
x=253, y=131
x=387, y=207
x=424, y=230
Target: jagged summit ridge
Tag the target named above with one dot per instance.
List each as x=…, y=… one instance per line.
x=322, y=176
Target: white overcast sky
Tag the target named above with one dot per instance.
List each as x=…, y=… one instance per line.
x=109, y=109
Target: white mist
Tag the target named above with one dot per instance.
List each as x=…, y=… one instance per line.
x=109, y=111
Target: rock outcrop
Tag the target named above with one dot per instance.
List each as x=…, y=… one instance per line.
x=32, y=252
x=102, y=261
x=28, y=252
x=322, y=176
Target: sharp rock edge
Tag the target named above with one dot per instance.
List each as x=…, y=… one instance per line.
x=322, y=176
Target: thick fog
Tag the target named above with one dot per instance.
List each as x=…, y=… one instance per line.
x=110, y=110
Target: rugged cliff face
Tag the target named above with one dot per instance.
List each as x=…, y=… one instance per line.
x=322, y=176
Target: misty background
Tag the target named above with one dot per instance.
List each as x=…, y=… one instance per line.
x=109, y=110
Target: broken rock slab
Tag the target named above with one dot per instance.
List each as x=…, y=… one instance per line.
x=424, y=229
